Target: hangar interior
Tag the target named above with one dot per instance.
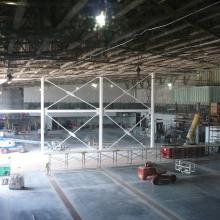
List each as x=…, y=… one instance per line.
x=96, y=94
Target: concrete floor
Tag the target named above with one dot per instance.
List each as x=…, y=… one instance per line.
x=38, y=201
x=114, y=194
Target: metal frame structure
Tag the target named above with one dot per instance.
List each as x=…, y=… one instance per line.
x=100, y=112
x=100, y=158
x=112, y=153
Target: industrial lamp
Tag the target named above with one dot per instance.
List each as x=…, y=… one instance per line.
x=9, y=78
x=170, y=85
x=100, y=19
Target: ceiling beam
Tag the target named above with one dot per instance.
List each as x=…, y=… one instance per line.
x=17, y=23
x=73, y=12
x=173, y=13
x=121, y=13
x=130, y=7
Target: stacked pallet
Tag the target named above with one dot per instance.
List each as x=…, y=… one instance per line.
x=16, y=181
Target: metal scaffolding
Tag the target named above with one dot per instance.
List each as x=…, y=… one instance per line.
x=112, y=152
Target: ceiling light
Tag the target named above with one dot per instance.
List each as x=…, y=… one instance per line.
x=111, y=85
x=169, y=85
x=10, y=3
x=100, y=20
x=94, y=85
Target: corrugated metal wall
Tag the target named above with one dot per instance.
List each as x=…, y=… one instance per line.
x=163, y=95
x=208, y=77
x=193, y=95
x=215, y=94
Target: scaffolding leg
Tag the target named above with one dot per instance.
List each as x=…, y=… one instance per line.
x=128, y=157
x=66, y=161
x=83, y=159
x=97, y=160
x=113, y=158
x=142, y=155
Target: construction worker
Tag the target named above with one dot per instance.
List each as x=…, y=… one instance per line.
x=47, y=167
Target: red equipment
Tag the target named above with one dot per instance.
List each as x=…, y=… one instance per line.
x=149, y=172
x=182, y=151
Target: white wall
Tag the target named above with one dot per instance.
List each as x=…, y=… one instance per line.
x=91, y=94
x=168, y=120
x=88, y=93
x=11, y=98
x=162, y=95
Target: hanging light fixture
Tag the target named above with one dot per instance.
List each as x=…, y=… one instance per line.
x=94, y=85
x=100, y=19
x=138, y=70
x=9, y=76
x=170, y=85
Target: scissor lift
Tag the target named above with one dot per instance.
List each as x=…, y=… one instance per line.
x=185, y=167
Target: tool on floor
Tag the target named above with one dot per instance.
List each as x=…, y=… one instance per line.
x=156, y=176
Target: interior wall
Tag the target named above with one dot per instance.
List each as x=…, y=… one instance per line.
x=88, y=93
x=162, y=94
x=11, y=98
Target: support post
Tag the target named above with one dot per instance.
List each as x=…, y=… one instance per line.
x=100, y=113
x=42, y=116
x=152, y=111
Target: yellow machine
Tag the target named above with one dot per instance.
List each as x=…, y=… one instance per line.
x=192, y=131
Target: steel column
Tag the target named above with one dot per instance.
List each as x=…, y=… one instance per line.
x=152, y=111
x=42, y=115
x=100, y=113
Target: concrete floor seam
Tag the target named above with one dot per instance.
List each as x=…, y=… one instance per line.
x=163, y=212
x=75, y=215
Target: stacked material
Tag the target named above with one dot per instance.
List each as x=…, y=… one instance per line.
x=16, y=181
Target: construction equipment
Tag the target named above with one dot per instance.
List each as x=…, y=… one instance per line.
x=9, y=145
x=5, y=170
x=182, y=151
x=187, y=150
x=150, y=173
x=190, y=137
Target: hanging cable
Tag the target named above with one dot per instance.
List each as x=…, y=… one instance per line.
x=157, y=27
x=147, y=30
